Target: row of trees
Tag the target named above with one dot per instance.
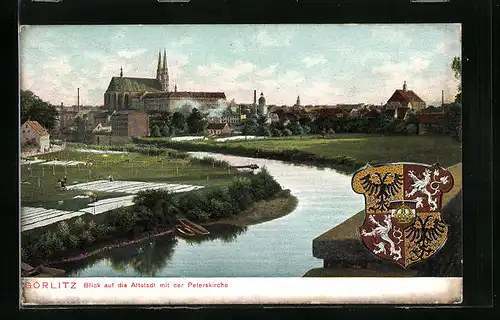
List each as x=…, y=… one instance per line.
x=323, y=125
x=152, y=209
x=171, y=124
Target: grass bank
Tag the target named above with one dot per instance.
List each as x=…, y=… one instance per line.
x=264, y=211
x=39, y=187
x=344, y=153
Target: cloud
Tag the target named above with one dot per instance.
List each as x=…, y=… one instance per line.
x=267, y=72
x=413, y=66
x=314, y=60
x=263, y=39
x=127, y=54
x=227, y=73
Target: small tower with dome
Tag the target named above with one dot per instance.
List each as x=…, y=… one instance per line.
x=262, y=109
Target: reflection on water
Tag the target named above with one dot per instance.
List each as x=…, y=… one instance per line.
x=147, y=258
x=277, y=248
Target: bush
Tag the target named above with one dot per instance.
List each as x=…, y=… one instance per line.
x=275, y=132
x=287, y=132
x=411, y=129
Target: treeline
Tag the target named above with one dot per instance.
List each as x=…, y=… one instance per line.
x=382, y=124
x=152, y=210
x=168, y=124
x=341, y=163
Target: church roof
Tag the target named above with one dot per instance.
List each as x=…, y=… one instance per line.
x=134, y=84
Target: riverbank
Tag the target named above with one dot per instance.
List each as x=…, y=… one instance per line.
x=343, y=153
x=263, y=211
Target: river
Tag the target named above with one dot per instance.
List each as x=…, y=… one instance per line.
x=278, y=248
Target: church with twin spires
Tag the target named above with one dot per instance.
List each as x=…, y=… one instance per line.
x=154, y=94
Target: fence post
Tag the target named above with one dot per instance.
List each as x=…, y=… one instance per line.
x=53, y=170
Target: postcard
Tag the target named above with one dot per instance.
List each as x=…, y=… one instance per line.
x=240, y=164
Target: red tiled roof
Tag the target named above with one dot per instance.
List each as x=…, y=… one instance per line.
x=404, y=97
x=35, y=126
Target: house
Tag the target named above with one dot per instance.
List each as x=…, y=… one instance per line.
x=405, y=99
x=231, y=120
x=128, y=123
x=218, y=128
x=33, y=134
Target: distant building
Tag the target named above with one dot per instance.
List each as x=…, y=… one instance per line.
x=405, y=99
x=33, y=134
x=153, y=94
x=262, y=107
x=231, y=120
x=218, y=128
x=130, y=124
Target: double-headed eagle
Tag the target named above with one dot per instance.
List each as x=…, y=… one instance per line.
x=382, y=187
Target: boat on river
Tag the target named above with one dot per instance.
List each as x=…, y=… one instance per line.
x=185, y=231
x=194, y=227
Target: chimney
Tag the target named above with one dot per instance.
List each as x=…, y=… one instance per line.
x=255, y=97
x=442, y=97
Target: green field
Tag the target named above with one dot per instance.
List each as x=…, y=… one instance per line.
x=373, y=149
x=39, y=185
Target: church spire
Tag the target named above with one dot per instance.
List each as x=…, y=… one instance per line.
x=164, y=69
x=164, y=79
x=158, y=70
x=121, y=72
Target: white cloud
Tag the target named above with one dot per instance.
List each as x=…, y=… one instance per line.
x=314, y=60
x=263, y=38
x=267, y=72
x=128, y=54
x=227, y=73
x=394, y=70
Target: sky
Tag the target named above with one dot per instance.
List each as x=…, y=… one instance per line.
x=323, y=64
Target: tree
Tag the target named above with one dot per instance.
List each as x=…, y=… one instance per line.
x=296, y=128
x=250, y=127
x=195, y=122
x=155, y=131
x=165, y=130
x=456, y=66
x=34, y=108
x=178, y=121
x=80, y=134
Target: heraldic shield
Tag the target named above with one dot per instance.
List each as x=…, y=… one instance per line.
x=403, y=222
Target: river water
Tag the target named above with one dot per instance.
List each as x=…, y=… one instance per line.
x=278, y=248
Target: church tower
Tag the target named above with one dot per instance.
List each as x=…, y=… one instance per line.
x=164, y=80
x=158, y=69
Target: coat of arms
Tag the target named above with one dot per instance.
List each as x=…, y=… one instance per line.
x=403, y=220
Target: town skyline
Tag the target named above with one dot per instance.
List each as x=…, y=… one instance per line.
x=282, y=61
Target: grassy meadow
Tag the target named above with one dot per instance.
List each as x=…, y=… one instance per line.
x=39, y=186
x=371, y=149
